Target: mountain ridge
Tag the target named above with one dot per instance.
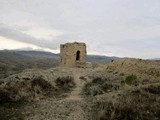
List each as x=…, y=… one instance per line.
x=44, y=54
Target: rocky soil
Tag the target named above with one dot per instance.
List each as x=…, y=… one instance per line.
x=128, y=89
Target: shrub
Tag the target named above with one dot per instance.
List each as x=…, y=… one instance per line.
x=65, y=83
x=99, y=86
x=83, y=78
x=153, y=89
x=138, y=104
x=130, y=79
x=34, y=88
x=40, y=85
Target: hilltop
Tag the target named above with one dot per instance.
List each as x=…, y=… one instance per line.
x=124, y=89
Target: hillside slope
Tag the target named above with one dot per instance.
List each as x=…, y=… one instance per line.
x=127, y=89
x=14, y=61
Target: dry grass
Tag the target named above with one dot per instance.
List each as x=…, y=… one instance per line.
x=105, y=94
x=35, y=88
x=99, y=86
x=138, y=104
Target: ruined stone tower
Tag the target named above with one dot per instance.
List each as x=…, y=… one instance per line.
x=73, y=54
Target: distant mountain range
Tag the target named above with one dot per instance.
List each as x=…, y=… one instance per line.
x=36, y=54
x=44, y=55
x=14, y=61
x=156, y=59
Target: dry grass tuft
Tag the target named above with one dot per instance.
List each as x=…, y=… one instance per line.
x=35, y=88
x=132, y=105
x=99, y=86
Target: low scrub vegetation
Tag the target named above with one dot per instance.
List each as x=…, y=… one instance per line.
x=99, y=86
x=138, y=104
x=131, y=79
x=65, y=83
x=34, y=88
x=153, y=89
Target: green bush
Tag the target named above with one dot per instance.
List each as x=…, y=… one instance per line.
x=130, y=79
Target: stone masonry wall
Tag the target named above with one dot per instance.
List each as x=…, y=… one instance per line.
x=69, y=54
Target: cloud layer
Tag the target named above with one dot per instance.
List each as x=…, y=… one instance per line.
x=109, y=27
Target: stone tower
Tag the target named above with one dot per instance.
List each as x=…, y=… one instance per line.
x=73, y=54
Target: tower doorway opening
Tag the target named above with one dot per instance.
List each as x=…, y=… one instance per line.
x=78, y=55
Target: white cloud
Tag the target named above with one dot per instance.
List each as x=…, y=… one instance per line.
x=110, y=27
x=43, y=33
x=10, y=44
x=6, y=43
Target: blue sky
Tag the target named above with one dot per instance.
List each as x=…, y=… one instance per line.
x=125, y=28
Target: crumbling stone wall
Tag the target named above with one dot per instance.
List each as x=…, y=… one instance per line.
x=73, y=54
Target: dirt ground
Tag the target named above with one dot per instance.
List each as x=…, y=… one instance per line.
x=89, y=99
